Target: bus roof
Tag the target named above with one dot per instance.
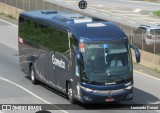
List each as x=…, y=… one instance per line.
x=81, y=26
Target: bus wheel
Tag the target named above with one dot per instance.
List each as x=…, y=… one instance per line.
x=32, y=73
x=70, y=94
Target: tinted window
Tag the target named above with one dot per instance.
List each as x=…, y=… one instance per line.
x=141, y=30
x=106, y=61
x=43, y=36
x=155, y=31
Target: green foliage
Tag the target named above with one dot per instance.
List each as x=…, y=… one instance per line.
x=1, y=13
x=134, y=62
x=7, y=15
x=11, y=16
x=156, y=70
x=156, y=13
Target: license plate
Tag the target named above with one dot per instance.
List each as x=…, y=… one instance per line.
x=109, y=99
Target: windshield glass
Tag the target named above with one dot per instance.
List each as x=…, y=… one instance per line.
x=107, y=62
x=155, y=31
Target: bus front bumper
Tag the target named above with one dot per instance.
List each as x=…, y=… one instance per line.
x=106, y=96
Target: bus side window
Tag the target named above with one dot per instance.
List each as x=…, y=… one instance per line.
x=21, y=19
x=25, y=28
x=62, y=42
x=21, y=26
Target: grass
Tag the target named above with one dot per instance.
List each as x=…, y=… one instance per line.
x=134, y=62
x=7, y=15
x=11, y=16
x=1, y=13
x=156, y=70
x=156, y=13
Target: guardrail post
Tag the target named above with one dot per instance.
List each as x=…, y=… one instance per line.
x=154, y=43
x=142, y=40
x=131, y=36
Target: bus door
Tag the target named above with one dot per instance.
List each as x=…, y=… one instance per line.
x=62, y=69
x=76, y=78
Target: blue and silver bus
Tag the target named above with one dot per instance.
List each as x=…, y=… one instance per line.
x=86, y=58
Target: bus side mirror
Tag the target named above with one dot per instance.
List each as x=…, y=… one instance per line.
x=137, y=53
x=78, y=56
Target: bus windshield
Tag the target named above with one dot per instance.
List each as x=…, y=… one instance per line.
x=107, y=62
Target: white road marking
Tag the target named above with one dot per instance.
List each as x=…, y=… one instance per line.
x=132, y=14
x=100, y=5
x=8, y=23
x=120, y=11
x=116, y=17
x=130, y=21
x=137, y=10
x=96, y=9
x=150, y=19
x=1, y=112
x=93, y=11
x=71, y=1
x=59, y=0
x=146, y=75
x=47, y=102
x=155, y=23
x=105, y=14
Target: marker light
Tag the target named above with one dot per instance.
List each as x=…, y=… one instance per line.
x=20, y=40
x=105, y=45
x=81, y=45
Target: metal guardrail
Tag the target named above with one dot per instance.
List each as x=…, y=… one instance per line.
x=42, y=5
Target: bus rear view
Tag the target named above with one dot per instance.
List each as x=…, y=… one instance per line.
x=85, y=58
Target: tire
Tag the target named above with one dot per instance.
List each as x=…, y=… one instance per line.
x=33, y=75
x=70, y=94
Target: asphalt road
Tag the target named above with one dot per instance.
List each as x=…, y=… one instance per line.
x=132, y=4
x=128, y=12
x=16, y=88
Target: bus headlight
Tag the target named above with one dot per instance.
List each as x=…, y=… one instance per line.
x=129, y=87
x=87, y=89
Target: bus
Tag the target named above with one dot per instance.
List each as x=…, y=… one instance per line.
x=75, y=55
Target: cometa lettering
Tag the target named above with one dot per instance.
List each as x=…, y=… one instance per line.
x=57, y=62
